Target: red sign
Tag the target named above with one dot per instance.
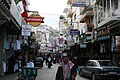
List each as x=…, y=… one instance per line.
x=24, y=14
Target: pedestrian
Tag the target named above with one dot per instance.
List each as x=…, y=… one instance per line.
x=66, y=70
x=75, y=62
x=11, y=64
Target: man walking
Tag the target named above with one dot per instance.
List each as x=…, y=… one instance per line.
x=66, y=70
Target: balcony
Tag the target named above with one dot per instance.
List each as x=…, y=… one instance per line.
x=109, y=18
x=88, y=13
x=7, y=8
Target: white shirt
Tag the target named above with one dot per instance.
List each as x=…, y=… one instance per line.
x=30, y=64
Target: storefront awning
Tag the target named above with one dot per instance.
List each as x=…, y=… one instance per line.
x=5, y=16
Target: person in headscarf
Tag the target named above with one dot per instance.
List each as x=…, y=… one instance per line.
x=66, y=70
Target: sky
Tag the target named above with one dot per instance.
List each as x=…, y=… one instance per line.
x=50, y=10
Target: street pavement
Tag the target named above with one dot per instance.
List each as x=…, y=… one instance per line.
x=44, y=73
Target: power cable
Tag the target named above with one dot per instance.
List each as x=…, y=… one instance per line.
x=50, y=14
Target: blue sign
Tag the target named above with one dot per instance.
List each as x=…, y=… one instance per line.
x=78, y=4
x=74, y=32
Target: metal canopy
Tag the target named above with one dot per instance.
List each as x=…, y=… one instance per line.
x=8, y=20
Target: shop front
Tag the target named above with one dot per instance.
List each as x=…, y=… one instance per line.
x=115, y=42
x=9, y=35
x=102, y=44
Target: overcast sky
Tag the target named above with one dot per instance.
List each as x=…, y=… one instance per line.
x=49, y=9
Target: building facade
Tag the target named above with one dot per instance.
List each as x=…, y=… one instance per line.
x=98, y=23
x=11, y=21
x=107, y=20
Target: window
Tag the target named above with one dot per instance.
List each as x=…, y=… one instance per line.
x=90, y=63
x=106, y=63
x=115, y=4
x=108, y=6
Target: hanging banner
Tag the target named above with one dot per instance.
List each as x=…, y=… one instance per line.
x=20, y=7
x=15, y=13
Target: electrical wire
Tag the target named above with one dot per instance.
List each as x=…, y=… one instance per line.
x=50, y=14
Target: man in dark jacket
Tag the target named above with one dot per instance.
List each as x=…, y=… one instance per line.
x=66, y=70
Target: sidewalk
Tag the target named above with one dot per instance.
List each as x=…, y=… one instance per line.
x=15, y=75
x=10, y=76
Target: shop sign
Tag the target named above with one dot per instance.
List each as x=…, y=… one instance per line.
x=103, y=37
x=78, y=3
x=103, y=31
x=26, y=30
x=34, y=19
x=74, y=32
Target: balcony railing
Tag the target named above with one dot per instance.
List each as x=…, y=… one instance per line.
x=7, y=3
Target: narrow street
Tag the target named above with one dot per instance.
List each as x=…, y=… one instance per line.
x=44, y=73
x=49, y=74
